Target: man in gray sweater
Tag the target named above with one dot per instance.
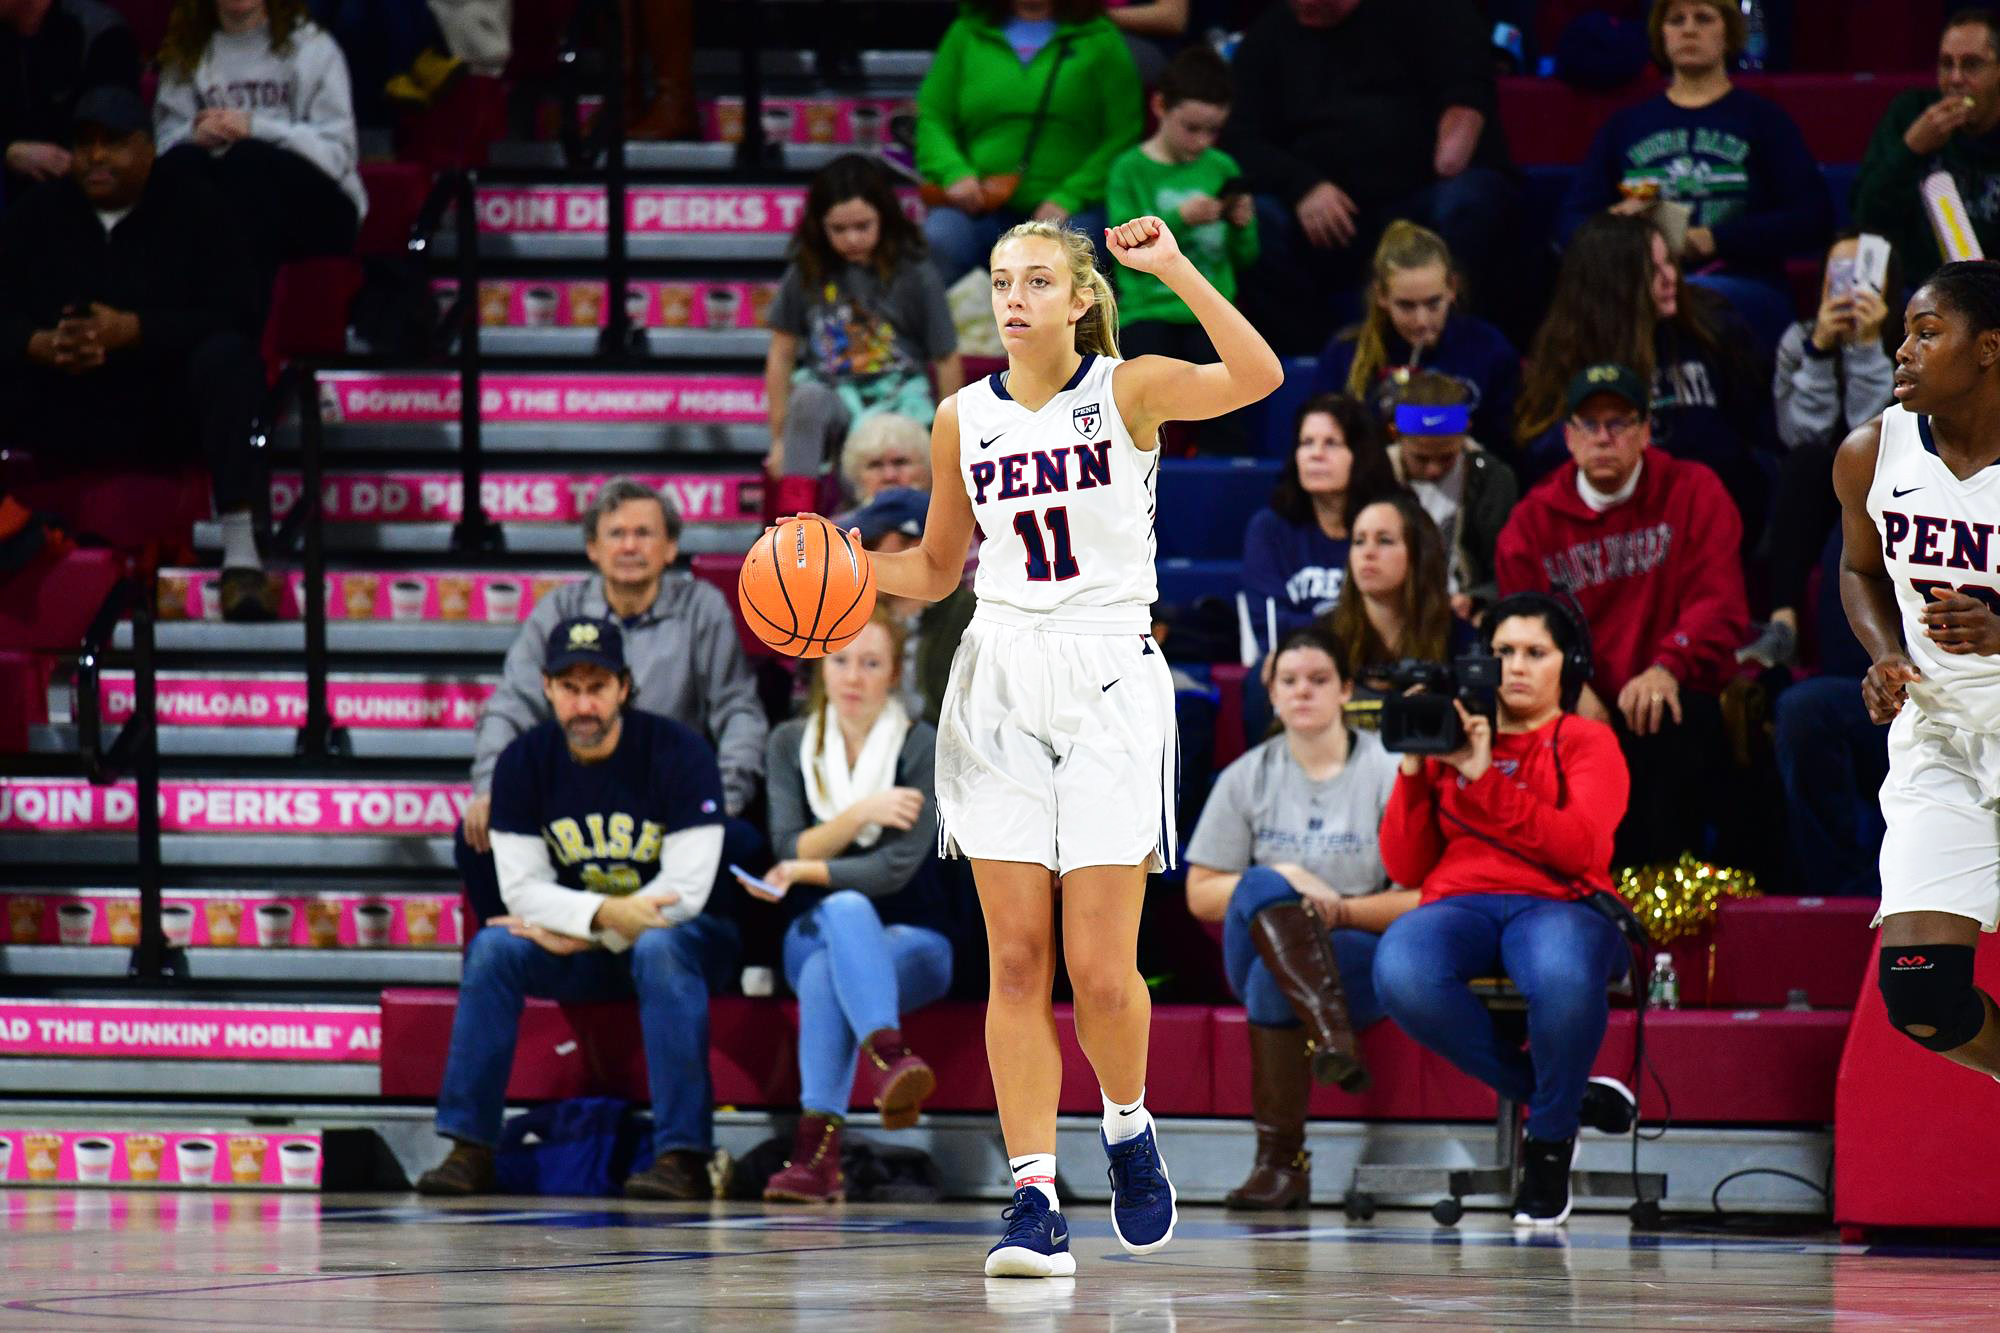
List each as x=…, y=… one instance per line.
x=680, y=643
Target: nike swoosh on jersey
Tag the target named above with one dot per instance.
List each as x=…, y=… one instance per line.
x=1905, y=491
x=984, y=443
x=1107, y=689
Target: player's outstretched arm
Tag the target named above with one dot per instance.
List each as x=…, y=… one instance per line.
x=1866, y=591
x=932, y=569
x=1153, y=389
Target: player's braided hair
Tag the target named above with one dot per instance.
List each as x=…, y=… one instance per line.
x=1972, y=288
x=1097, y=331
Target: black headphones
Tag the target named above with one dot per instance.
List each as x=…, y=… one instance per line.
x=1565, y=620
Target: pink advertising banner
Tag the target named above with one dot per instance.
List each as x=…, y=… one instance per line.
x=371, y=397
x=650, y=210
x=83, y=917
x=179, y=1159
x=551, y=303
x=316, y=1034
x=223, y=805
x=497, y=599
x=197, y=699
x=863, y=122
x=436, y=497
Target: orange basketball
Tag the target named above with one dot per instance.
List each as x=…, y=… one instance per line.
x=807, y=588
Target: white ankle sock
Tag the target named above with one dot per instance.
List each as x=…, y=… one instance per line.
x=239, y=542
x=1037, y=1169
x=1122, y=1122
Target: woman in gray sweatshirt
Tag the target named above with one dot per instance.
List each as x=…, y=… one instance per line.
x=256, y=96
x=1835, y=371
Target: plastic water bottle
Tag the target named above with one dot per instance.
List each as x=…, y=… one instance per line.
x=1666, y=989
x=1756, y=41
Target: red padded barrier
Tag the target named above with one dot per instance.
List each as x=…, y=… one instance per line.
x=1911, y=1129
x=47, y=606
x=1767, y=947
x=721, y=569
x=24, y=696
x=127, y=508
x=1394, y=1060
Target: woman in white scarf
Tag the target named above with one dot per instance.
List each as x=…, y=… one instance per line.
x=852, y=812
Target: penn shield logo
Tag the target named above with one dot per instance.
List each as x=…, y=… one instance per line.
x=1085, y=420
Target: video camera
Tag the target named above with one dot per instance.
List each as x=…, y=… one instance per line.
x=1425, y=722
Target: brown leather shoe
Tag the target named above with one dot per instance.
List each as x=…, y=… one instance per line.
x=247, y=597
x=680, y=1177
x=468, y=1170
x=1282, y=1174
x=1293, y=943
x=813, y=1173
x=895, y=1077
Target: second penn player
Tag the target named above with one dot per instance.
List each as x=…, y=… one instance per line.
x=1057, y=753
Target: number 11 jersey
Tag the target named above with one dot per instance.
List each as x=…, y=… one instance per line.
x=1937, y=533
x=1066, y=502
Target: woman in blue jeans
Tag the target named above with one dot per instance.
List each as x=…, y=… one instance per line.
x=1505, y=835
x=854, y=819
x=1285, y=858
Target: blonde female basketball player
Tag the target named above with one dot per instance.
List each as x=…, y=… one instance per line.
x=1057, y=753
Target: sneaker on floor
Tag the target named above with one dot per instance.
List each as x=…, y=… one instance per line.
x=1144, y=1206
x=468, y=1170
x=1037, y=1239
x=678, y=1177
x=1776, y=645
x=1609, y=1106
x=1543, y=1199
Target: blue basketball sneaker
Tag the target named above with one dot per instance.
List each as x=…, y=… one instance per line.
x=1143, y=1203
x=1037, y=1240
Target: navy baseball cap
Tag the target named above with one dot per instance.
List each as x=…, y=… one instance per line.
x=1612, y=378
x=897, y=509
x=585, y=640
x=116, y=109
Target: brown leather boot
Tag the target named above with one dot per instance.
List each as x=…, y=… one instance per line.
x=1282, y=1175
x=680, y=1176
x=468, y=1170
x=1294, y=945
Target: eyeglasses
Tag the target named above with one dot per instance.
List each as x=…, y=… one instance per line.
x=1616, y=428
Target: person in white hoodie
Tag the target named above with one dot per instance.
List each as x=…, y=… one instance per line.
x=257, y=95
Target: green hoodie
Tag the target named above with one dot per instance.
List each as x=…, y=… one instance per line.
x=1887, y=200
x=977, y=102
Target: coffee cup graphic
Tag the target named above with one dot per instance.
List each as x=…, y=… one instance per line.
x=538, y=307
x=225, y=923
x=24, y=919
x=177, y=923
x=420, y=922
x=720, y=306
x=496, y=304
x=211, y=599
x=866, y=121
x=586, y=304
x=75, y=922
x=406, y=599
x=171, y=597
x=194, y=1161
x=93, y=1159
x=44, y=1155
x=323, y=923
x=144, y=1154
x=638, y=305
x=274, y=925
x=298, y=1162
x=676, y=305
x=777, y=120
x=121, y=916
x=358, y=593
x=371, y=924
x=246, y=1158
x=6, y=1155
x=822, y=122
x=729, y=121
x=454, y=596
x=503, y=601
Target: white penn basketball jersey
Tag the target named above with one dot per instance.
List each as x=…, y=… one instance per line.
x=1065, y=501
x=1938, y=532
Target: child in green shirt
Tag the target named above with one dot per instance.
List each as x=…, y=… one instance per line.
x=1180, y=175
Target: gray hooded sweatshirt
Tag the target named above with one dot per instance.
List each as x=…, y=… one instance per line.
x=686, y=663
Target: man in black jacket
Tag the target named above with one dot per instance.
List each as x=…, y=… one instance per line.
x=1351, y=113
x=124, y=326
x=51, y=52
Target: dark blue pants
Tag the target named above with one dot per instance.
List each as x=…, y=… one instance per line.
x=1353, y=952
x=1832, y=760
x=1562, y=956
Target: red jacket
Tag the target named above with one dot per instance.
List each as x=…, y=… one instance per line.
x=1556, y=822
x=1658, y=576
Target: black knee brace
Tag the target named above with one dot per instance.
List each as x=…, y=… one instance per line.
x=1930, y=985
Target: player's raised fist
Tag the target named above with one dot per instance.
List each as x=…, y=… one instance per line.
x=1144, y=244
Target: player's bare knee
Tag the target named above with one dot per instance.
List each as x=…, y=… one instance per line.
x=1928, y=991
x=1102, y=990
x=1020, y=972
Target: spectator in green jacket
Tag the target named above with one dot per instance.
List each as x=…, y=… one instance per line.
x=1958, y=132
x=986, y=162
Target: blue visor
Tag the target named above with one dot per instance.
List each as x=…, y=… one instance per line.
x=1412, y=419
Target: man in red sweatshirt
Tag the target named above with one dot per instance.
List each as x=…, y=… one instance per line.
x=1647, y=544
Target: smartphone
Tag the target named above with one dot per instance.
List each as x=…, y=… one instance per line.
x=774, y=890
x=1871, y=262
x=1232, y=189
x=1840, y=276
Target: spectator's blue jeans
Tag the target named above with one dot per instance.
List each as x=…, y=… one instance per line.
x=853, y=976
x=1832, y=760
x=963, y=241
x=1561, y=956
x=1353, y=952
x=671, y=972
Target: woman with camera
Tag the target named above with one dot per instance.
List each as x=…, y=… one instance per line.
x=1506, y=835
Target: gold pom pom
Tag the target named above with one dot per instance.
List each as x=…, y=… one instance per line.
x=1678, y=900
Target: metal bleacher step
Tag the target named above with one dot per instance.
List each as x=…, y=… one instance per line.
x=182, y=742
x=650, y=438
x=682, y=344
x=216, y=1078
x=651, y=248
x=878, y=68
x=552, y=539
x=428, y=638
x=401, y=853
x=528, y=155
x=376, y=967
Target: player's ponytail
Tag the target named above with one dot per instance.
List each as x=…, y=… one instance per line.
x=1097, y=331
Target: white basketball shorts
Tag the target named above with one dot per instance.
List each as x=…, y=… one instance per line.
x=1057, y=747
x=1941, y=803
